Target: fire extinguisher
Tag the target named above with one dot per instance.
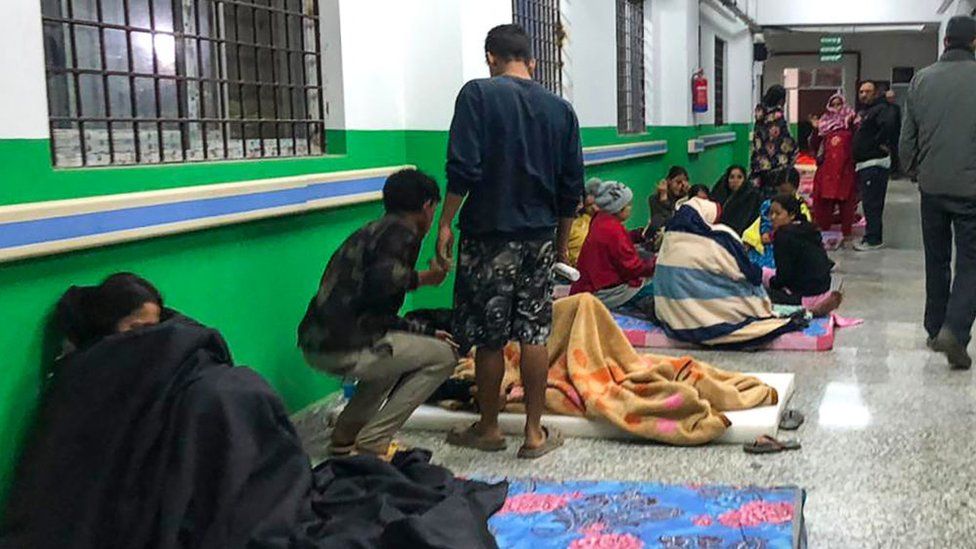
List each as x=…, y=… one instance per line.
x=699, y=92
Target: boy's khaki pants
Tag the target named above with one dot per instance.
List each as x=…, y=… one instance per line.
x=401, y=369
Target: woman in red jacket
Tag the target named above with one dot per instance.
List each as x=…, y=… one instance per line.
x=833, y=185
x=609, y=265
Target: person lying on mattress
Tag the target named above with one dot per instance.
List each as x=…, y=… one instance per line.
x=595, y=372
x=759, y=236
x=802, y=275
x=706, y=291
x=148, y=435
x=609, y=265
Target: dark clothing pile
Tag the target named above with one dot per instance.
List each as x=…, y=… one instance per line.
x=363, y=288
x=802, y=265
x=153, y=439
x=740, y=208
x=876, y=132
x=515, y=152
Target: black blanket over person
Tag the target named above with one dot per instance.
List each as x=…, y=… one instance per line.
x=152, y=438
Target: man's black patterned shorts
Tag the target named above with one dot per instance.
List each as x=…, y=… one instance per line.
x=503, y=292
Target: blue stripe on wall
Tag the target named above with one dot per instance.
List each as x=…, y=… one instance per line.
x=718, y=138
x=23, y=233
x=654, y=148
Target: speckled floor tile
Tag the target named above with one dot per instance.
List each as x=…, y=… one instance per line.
x=889, y=447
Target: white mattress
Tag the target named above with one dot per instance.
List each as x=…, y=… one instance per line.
x=746, y=424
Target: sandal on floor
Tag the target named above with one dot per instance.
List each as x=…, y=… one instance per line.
x=769, y=445
x=554, y=439
x=791, y=420
x=467, y=437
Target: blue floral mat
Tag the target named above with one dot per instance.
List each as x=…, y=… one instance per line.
x=632, y=515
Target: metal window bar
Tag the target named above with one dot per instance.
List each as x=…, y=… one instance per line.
x=630, y=66
x=541, y=20
x=199, y=61
x=719, y=81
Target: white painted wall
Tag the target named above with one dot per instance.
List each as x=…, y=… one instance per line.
x=846, y=12
x=738, y=65
x=373, y=56
x=477, y=18
x=590, y=56
x=23, y=90
x=431, y=61
x=675, y=33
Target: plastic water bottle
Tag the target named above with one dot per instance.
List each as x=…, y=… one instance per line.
x=567, y=272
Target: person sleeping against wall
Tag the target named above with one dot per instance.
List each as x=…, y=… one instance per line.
x=609, y=265
x=121, y=303
x=148, y=435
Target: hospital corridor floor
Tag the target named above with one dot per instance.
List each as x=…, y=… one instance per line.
x=889, y=452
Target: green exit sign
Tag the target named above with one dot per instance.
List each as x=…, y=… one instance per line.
x=831, y=48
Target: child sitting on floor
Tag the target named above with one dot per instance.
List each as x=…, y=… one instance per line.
x=609, y=265
x=802, y=274
x=758, y=238
x=581, y=225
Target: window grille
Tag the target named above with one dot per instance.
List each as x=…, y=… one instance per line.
x=158, y=81
x=719, y=81
x=541, y=20
x=630, y=66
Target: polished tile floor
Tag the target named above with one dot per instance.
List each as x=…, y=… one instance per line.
x=889, y=452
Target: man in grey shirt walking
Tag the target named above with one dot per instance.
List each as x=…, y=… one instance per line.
x=939, y=139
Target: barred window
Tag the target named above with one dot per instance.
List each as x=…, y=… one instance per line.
x=719, y=81
x=157, y=81
x=541, y=20
x=630, y=66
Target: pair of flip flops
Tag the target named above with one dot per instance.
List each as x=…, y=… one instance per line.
x=467, y=437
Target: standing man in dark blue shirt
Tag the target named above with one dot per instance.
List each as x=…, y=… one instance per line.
x=514, y=161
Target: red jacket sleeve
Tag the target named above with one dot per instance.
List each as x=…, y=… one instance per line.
x=625, y=260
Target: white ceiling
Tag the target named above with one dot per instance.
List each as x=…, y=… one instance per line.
x=792, y=13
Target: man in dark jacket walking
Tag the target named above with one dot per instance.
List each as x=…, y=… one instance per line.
x=936, y=139
x=872, y=158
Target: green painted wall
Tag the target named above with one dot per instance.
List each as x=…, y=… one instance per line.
x=251, y=281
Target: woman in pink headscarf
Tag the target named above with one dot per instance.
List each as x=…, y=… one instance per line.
x=834, y=185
